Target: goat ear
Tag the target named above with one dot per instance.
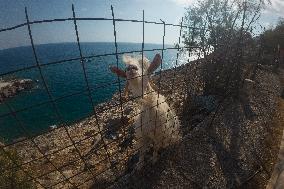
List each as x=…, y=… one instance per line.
x=155, y=63
x=117, y=71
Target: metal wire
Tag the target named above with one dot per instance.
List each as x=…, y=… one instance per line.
x=87, y=83
x=89, y=19
x=88, y=91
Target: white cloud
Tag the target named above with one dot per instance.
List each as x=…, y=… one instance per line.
x=184, y=2
x=276, y=7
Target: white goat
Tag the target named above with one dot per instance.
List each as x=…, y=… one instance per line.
x=157, y=124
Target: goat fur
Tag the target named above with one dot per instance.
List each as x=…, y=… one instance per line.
x=160, y=125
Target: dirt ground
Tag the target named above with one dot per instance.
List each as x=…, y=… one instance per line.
x=235, y=146
x=277, y=180
x=227, y=143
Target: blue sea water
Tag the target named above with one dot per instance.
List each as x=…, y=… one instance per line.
x=62, y=80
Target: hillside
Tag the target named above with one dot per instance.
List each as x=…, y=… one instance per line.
x=236, y=145
x=227, y=141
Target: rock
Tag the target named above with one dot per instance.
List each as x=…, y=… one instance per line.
x=10, y=88
x=249, y=81
x=244, y=96
x=19, y=139
x=53, y=127
x=207, y=103
x=128, y=110
x=131, y=162
x=114, y=125
x=89, y=133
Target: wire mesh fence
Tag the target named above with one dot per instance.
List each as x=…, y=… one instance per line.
x=85, y=152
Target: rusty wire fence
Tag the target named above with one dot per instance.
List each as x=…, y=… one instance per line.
x=89, y=160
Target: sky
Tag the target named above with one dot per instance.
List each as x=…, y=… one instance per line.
x=12, y=13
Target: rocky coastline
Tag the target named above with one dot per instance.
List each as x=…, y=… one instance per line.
x=10, y=88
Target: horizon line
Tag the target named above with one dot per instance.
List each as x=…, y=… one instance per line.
x=21, y=46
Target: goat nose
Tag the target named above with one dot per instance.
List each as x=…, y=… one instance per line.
x=131, y=67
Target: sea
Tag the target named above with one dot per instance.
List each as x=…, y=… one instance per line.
x=65, y=81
